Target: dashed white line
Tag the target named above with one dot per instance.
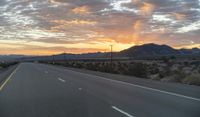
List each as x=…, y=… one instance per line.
x=61, y=80
x=121, y=111
x=143, y=87
x=80, y=89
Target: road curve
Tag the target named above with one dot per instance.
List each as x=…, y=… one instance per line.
x=38, y=90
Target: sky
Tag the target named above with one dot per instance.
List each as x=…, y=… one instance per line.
x=44, y=27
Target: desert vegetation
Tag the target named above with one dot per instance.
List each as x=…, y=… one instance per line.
x=172, y=70
x=6, y=64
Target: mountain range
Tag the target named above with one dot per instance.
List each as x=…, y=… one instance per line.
x=140, y=51
x=11, y=57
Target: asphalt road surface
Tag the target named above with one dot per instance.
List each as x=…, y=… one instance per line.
x=38, y=90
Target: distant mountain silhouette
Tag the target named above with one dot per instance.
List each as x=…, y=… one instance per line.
x=149, y=50
x=141, y=51
x=190, y=51
x=146, y=50
x=11, y=57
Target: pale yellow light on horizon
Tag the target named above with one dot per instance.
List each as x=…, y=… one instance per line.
x=41, y=48
x=190, y=46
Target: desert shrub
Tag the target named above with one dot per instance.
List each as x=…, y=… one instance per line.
x=171, y=78
x=165, y=59
x=122, y=68
x=56, y=63
x=153, y=69
x=173, y=57
x=198, y=69
x=196, y=63
x=165, y=72
x=154, y=77
x=186, y=63
x=89, y=66
x=78, y=65
x=138, y=70
x=168, y=74
x=106, y=68
x=6, y=65
x=174, y=77
x=193, y=79
x=67, y=64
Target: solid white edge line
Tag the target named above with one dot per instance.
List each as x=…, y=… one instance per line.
x=143, y=87
x=9, y=77
x=121, y=111
x=61, y=79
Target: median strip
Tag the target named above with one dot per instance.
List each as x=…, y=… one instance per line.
x=121, y=111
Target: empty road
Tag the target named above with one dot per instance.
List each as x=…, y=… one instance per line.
x=39, y=90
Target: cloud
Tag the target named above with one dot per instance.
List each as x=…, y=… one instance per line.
x=147, y=8
x=97, y=23
x=191, y=27
x=74, y=22
x=81, y=10
x=180, y=16
x=138, y=26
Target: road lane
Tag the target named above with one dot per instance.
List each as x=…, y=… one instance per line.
x=34, y=93
x=183, y=89
x=30, y=94
x=135, y=99
x=144, y=87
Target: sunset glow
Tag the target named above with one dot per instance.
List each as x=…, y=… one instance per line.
x=43, y=27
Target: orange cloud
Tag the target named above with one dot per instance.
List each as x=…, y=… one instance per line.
x=62, y=24
x=179, y=16
x=75, y=22
x=31, y=49
x=138, y=26
x=58, y=2
x=147, y=8
x=81, y=10
x=136, y=1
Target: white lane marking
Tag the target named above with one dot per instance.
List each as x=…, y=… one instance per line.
x=80, y=89
x=9, y=77
x=143, y=87
x=61, y=79
x=121, y=111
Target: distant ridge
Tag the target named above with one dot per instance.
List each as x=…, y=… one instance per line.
x=140, y=51
x=11, y=57
x=149, y=50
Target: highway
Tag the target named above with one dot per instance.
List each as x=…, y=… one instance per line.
x=39, y=90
